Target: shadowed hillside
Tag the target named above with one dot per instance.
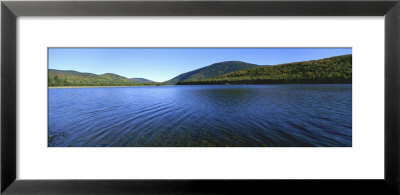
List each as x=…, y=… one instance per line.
x=211, y=71
x=141, y=80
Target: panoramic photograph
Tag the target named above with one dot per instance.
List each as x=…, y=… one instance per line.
x=199, y=97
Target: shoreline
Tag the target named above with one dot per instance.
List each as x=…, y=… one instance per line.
x=65, y=87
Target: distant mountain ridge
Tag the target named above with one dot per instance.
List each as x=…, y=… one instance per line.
x=211, y=71
x=72, y=72
x=141, y=80
x=57, y=78
x=337, y=69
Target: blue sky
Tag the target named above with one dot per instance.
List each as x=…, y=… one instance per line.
x=161, y=64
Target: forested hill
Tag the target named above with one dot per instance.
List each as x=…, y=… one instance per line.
x=329, y=70
x=141, y=80
x=58, y=78
x=336, y=69
x=211, y=71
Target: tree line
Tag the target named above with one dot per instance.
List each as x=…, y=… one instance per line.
x=330, y=70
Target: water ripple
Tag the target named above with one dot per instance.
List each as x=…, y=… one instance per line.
x=235, y=115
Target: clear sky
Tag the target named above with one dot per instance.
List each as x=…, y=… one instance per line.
x=161, y=64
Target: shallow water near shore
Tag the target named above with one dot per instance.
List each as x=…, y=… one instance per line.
x=298, y=115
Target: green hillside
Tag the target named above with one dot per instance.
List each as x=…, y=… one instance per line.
x=211, y=71
x=329, y=70
x=58, y=78
x=141, y=80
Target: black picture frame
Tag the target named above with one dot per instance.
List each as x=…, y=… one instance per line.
x=11, y=10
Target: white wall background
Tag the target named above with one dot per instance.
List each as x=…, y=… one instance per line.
x=365, y=160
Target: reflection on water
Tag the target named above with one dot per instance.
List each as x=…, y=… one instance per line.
x=223, y=115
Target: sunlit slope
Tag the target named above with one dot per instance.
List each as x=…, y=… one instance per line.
x=336, y=69
x=57, y=78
